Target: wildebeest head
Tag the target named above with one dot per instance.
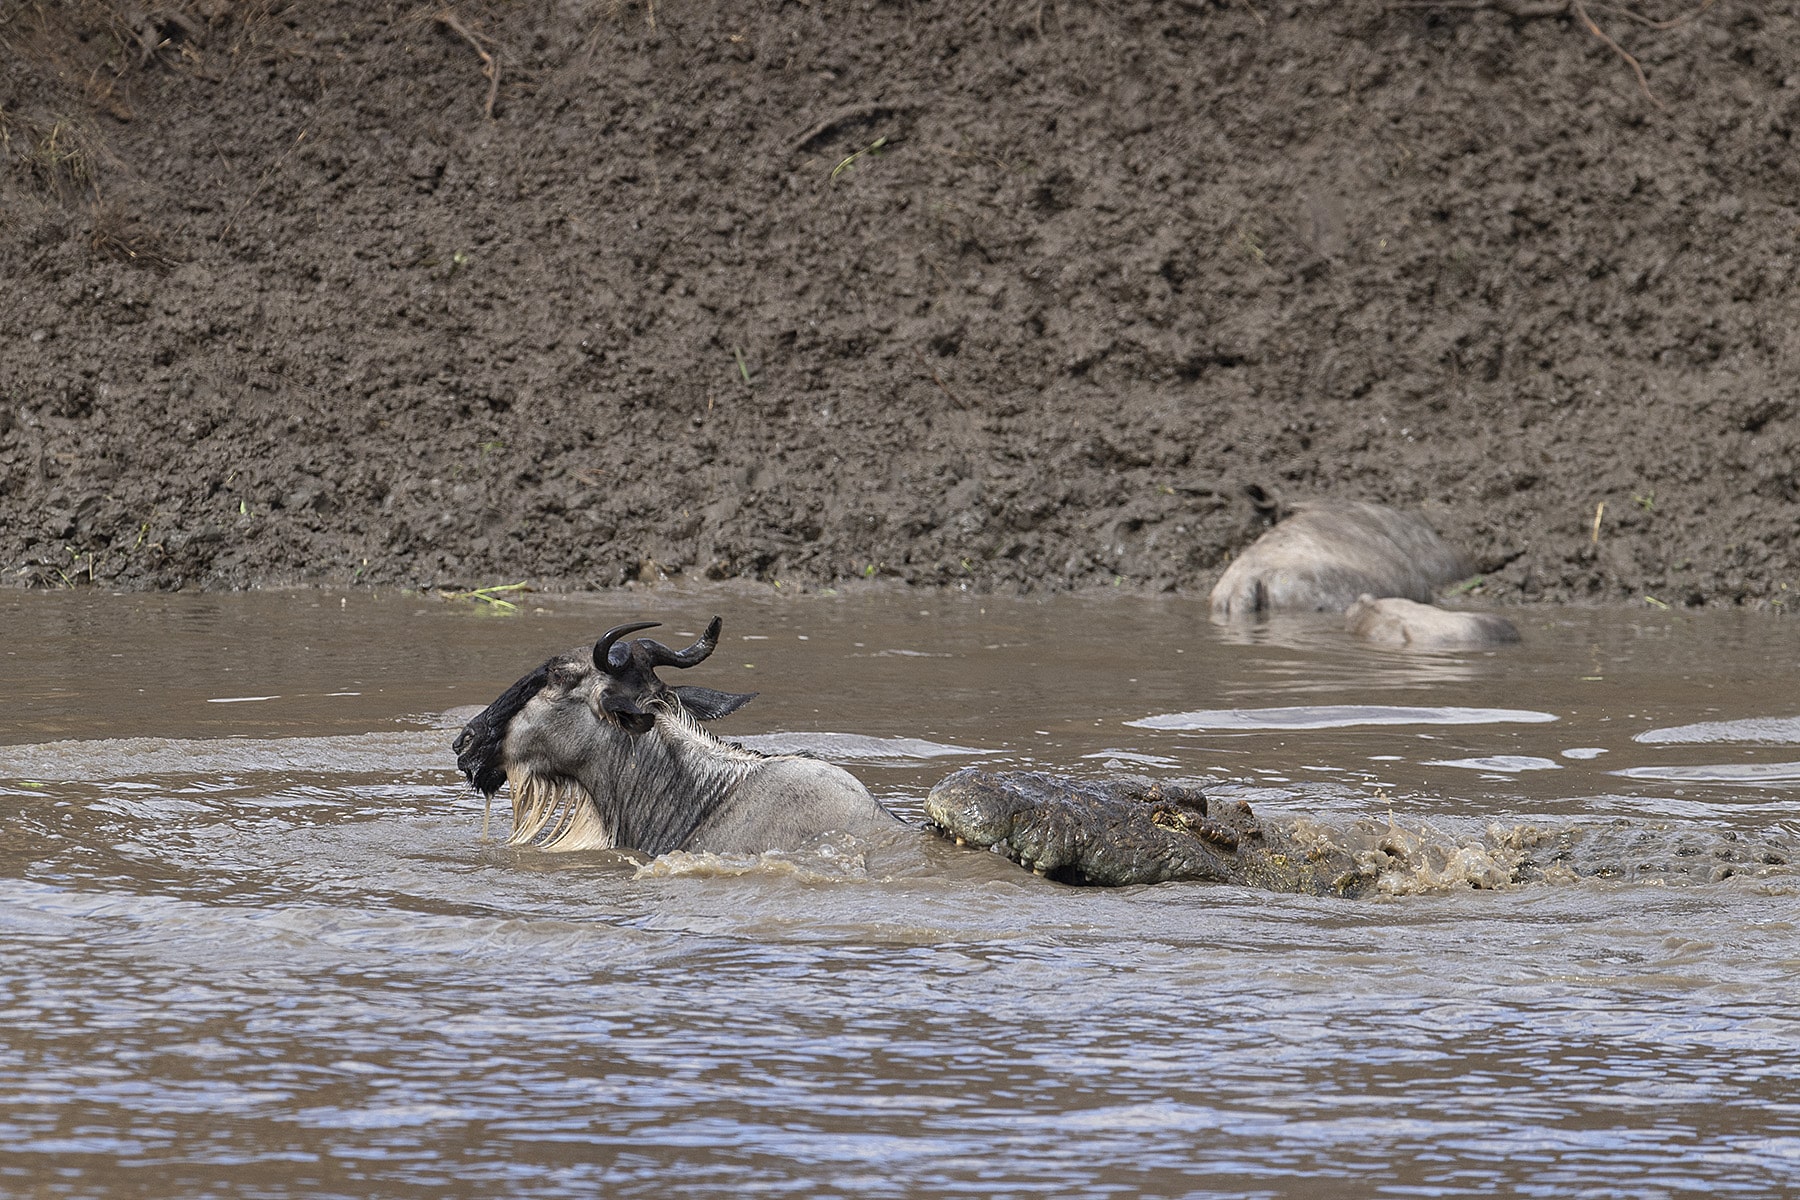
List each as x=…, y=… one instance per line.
x=570, y=707
x=631, y=692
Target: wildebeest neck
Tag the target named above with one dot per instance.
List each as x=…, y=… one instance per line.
x=647, y=792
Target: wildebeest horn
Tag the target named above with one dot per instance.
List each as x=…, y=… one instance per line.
x=603, y=647
x=662, y=656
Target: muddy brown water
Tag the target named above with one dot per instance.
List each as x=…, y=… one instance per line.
x=254, y=946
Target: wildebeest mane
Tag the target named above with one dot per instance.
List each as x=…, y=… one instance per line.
x=478, y=747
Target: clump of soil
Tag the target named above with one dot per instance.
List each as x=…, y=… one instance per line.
x=1030, y=295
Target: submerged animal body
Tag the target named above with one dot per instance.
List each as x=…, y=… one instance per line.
x=1326, y=555
x=1392, y=621
x=599, y=753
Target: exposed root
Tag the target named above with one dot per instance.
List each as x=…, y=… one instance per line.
x=490, y=61
x=1671, y=23
x=1636, y=67
x=1520, y=10
x=1526, y=10
x=161, y=28
x=114, y=234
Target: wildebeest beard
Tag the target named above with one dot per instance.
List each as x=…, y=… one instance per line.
x=555, y=814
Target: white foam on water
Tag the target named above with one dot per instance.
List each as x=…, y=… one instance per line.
x=1509, y=763
x=1762, y=731
x=393, y=753
x=1338, y=716
x=853, y=746
x=1753, y=773
x=1122, y=757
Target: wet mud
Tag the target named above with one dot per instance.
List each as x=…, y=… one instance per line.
x=1026, y=296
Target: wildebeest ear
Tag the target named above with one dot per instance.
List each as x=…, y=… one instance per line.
x=707, y=705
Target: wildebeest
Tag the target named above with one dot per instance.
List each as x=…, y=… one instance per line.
x=601, y=754
x=1326, y=555
x=1393, y=621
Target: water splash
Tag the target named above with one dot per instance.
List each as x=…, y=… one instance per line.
x=1414, y=859
x=831, y=859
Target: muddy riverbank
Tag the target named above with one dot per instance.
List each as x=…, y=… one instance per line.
x=1027, y=296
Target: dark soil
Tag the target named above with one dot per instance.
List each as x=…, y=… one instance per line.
x=1020, y=295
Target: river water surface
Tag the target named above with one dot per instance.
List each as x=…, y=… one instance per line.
x=254, y=945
